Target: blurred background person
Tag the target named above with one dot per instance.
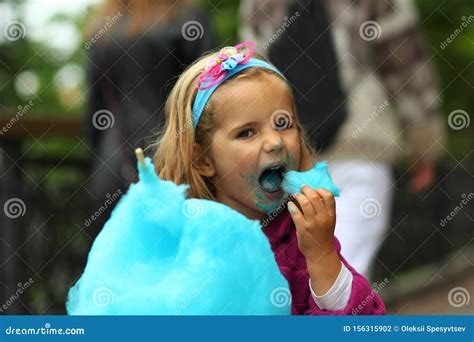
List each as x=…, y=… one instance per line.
x=295, y=36
x=131, y=68
x=391, y=98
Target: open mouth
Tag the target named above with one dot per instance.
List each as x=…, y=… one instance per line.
x=272, y=177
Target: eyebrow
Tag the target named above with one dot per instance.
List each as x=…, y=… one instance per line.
x=249, y=123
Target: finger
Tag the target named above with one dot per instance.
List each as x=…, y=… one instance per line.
x=328, y=198
x=306, y=207
x=296, y=214
x=315, y=198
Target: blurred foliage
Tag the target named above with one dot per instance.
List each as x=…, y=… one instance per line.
x=44, y=61
x=455, y=62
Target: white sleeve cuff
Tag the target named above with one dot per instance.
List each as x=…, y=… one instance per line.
x=338, y=295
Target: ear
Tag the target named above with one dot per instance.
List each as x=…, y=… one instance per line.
x=204, y=164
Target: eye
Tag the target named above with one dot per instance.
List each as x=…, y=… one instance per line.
x=246, y=133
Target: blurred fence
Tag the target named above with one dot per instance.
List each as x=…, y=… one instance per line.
x=45, y=240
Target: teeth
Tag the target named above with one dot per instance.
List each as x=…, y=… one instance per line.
x=276, y=167
x=271, y=178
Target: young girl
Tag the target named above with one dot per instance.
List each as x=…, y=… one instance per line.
x=231, y=132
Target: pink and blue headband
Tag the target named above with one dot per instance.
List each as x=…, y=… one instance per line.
x=230, y=61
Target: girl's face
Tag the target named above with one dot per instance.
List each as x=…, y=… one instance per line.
x=254, y=143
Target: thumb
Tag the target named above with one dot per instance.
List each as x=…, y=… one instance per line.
x=295, y=213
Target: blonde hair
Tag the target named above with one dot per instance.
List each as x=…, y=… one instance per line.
x=178, y=147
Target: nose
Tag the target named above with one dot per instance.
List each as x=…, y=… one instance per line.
x=273, y=142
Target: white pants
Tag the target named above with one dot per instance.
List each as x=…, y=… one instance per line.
x=362, y=210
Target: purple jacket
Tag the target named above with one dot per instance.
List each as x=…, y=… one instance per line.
x=281, y=232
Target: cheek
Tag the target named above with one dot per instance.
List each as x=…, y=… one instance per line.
x=247, y=173
x=294, y=150
x=245, y=168
x=236, y=167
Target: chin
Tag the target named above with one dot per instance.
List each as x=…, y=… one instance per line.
x=267, y=206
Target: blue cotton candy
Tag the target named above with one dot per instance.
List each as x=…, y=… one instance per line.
x=317, y=177
x=163, y=254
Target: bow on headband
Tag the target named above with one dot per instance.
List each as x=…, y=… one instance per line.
x=230, y=61
x=228, y=58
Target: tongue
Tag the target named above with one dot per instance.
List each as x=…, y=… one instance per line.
x=270, y=181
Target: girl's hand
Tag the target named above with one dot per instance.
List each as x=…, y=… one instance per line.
x=315, y=224
x=315, y=221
